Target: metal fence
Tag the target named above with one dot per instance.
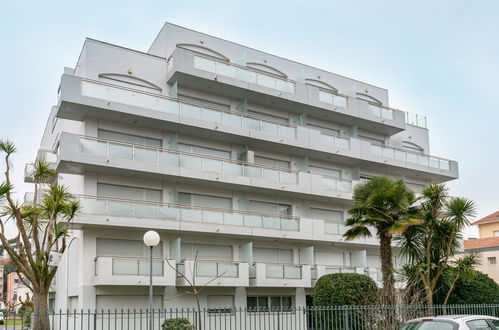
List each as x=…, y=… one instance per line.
x=294, y=318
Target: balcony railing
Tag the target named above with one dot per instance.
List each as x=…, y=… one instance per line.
x=335, y=141
x=114, y=149
x=336, y=184
x=339, y=269
x=243, y=74
x=123, y=95
x=333, y=98
x=380, y=111
x=332, y=227
x=178, y=212
x=136, y=266
x=415, y=120
x=213, y=269
x=283, y=271
x=409, y=157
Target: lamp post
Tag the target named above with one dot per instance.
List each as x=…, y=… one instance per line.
x=151, y=239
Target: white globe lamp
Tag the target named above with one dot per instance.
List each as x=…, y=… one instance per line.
x=151, y=238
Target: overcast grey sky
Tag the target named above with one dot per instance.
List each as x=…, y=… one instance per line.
x=437, y=58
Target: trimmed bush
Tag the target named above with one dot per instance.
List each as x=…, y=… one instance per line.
x=480, y=290
x=345, y=289
x=177, y=324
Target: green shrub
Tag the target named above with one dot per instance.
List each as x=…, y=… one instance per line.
x=480, y=290
x=341, y=290
x=177, y=324
x=345, y=289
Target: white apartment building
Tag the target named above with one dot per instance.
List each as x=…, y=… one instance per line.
x=244, y=159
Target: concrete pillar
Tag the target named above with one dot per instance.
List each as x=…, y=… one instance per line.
x=300, y=297
x=240, y=297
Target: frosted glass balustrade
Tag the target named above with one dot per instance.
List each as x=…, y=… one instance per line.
x=283, y=271
x=189, y=161
x=175, y=212
x=335, y=141
x=176, y=107
x=244, y=74
x=410, y=157
x=334, y=99
x=139, y=267
x=216, y=269
x=381, y=112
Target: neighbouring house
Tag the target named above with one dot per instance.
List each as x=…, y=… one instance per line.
x=487, y=245
x=16, y=289
x=244, y=162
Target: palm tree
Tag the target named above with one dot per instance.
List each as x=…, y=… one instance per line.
x=430, y=247
x=387, y=206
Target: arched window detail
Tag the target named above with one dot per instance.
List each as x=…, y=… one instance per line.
x=204, y=50
x=129, y=81
x=369, y=98
x=266, y=68
x=412, y=146
x=320, y=84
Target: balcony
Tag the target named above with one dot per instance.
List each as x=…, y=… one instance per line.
x=320, y=270
x=46, y=155
x=79, y=153
x=213, y=273
x=83, y=98
x=280, y=275
x=186, y=214
x=133, y=271
x=409, y=159
x=195, y=70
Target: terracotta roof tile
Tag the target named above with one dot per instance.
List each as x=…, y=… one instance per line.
x=481, y=243
x=490, y=218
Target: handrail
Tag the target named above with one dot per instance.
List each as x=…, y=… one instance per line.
x=188, y=154
x=234, y=65
x=409, y=151
x=188, y=206
x=207, y=106
x=132, y=258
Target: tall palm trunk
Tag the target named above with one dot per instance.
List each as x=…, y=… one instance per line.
x=40, y=319
x=385, y=249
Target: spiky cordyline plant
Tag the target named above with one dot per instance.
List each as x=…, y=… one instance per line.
x=430, y=247
x=42, y=228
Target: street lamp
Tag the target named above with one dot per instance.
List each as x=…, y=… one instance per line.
x=151, y=239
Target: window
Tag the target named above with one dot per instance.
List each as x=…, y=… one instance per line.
x=327, y=214
x=268, y=116
x=495, y=323
x=325, y=171
x=496, y=233
x=204, y=151
x=204, y=102
x=325, y=129
x=220, y=304
x=371, y=139
x=274, y=303
x=205, y=201
x=364, y=178
x=271, y=255
x=188, y=251
x=272, y=162
x=127, y=138
x=272, y=208
x=126, y=248
x=492, y=261
x=125, y=192
x=478, y=325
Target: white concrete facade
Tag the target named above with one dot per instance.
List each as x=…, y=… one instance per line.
x=242, y=160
